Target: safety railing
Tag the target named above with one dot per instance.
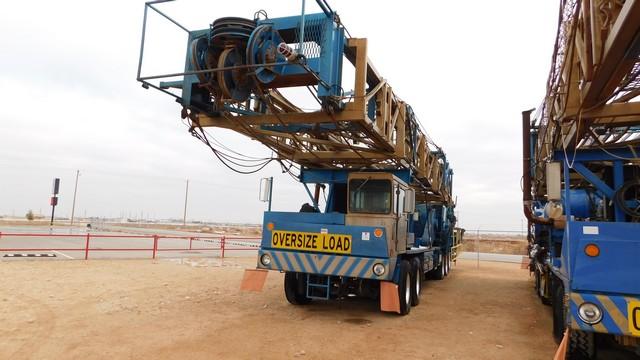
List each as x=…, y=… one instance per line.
x=220, y=243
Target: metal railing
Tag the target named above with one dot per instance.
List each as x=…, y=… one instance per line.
x=224, y=243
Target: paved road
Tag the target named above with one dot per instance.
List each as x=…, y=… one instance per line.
x=69, y=243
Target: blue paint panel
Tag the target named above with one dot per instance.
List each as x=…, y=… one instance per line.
x=616, y=269
x=597, y=154
x=323, y=176
x=303, y=217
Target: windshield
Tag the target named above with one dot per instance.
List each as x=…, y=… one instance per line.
x=370, y=196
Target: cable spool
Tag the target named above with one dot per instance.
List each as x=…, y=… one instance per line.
x=227, y=31
x=235, y=84
x=262, y=48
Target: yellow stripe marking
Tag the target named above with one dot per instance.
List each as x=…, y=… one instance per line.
x=342, y=269
x=359, y=267
x=281, y=261
x=293, y=261
x=305, y=263
x=597, y=327
x=321, y=260
x=615, y=314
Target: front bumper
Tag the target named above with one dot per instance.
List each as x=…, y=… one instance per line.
x=326, y=264
x=615, y=313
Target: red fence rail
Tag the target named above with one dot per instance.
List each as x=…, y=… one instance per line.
x=224, y=243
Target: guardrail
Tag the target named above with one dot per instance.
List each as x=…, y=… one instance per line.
x=225, y=243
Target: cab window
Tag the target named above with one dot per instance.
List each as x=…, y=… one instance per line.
x=370, y=196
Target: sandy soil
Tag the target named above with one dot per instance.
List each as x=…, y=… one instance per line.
x=193, y=309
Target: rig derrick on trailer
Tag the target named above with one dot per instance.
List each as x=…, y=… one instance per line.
x=389, y=212
x=581, y=177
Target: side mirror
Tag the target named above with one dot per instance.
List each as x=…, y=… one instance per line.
x=265, y=189
x=409, y=201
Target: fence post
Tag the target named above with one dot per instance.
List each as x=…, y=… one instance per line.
x=190, y=241
x=222, y=241
x=86, y=247
x=155, y=245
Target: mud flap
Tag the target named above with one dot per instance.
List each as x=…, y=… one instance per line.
x=562, y=349
x=253, y=279
x=389, y=300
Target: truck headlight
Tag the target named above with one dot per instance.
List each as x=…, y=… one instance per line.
x=378, y=269
x=265, y=259
x=590, y=313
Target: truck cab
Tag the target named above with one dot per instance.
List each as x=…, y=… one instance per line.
x=364, y=238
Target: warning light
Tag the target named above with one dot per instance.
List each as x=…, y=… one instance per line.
x=270, y=226
x=377, y=232
x=592, y=250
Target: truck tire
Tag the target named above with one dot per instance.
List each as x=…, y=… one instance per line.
x=404, y=287
x=439, y=272
x=416, y=281
x=295, y=288
x=540, y=287
x=558, y=308
x=581, y=345
x=447, y=264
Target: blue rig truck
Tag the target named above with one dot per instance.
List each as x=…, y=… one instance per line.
x=372, y=239
x=388, y=217
x=584, y=243
x=581, y=182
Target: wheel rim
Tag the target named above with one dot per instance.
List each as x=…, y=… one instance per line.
x=418, y=284
x=407, y=293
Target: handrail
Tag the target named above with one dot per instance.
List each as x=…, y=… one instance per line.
x=226, y=243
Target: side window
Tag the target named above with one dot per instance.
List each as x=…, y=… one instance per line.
x=401, y=201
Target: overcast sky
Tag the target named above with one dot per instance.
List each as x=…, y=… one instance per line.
x=70, y=101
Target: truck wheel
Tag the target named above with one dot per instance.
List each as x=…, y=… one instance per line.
x=404, y=287
x=439, y=272
x=295, y=288
x=416, y=281
x=557, y=305
x=447, y=264
x=541, y=286
x=581, y=345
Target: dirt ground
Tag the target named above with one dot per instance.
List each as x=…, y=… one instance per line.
x=193, y=309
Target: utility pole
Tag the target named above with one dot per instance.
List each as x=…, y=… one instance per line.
x=186, y=196
x=75, y=190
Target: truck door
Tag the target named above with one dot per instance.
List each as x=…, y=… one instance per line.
x=401, y=219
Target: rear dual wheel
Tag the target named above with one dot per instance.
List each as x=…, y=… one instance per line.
x=441, y=271
x=447, y=263
x=404, y=287
x=416, y=281
x=295, y=288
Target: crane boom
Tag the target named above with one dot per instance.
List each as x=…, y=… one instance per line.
x=234, y=74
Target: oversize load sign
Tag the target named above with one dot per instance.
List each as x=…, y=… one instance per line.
x=294, y=240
